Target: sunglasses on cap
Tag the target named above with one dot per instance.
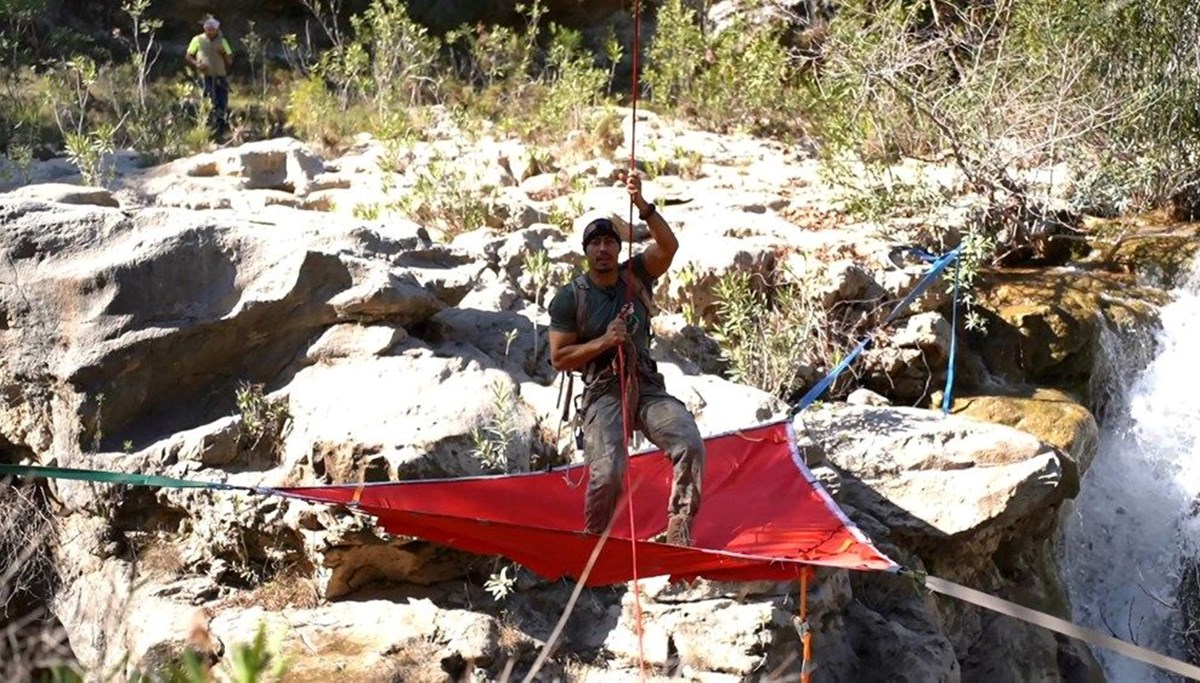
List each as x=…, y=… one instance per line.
x=598, y=228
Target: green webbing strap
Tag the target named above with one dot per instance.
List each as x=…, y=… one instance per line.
x=112, y=477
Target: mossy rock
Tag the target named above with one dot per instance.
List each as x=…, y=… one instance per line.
x=1151, y=247
x=1051, y=415
x=1044, y=326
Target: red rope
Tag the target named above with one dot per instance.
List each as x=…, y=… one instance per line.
x=627, y=418
x=626, y=415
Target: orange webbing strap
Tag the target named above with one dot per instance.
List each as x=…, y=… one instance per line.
x=774, y=438
x=803, y=629
x=358, y=490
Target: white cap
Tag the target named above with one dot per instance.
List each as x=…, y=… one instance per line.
x=212, y=22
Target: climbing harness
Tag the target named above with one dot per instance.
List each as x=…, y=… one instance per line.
x=567, y=398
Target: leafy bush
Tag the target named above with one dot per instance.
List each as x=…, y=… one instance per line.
x=404, y=57
x=741, y=78
x=89, y=152
x=511, y=79
x=573, y=83
x=1009, y=85
x=779, y=339
x=263, y=419
x=874, y=192
x=314, y=113
x=442, y=196
x=494, y=441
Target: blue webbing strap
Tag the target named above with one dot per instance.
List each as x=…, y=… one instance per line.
x=935, y=270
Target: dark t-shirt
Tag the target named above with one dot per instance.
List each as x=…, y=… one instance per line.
x=604, y=303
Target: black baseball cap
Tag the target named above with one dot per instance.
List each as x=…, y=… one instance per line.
x=597, y=228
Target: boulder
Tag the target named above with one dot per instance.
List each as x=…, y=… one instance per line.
x=899, y=283
x=277, y=164
x=62, y=193
x=936, y=478
x=1044, y=326
x=845, y=282
x=357, y=418
x=117, y=307
x=689, y=346
x=1051, y=415
x=702, y=261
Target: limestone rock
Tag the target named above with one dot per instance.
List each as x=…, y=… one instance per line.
x=1047, y=323
x=845, y=281
x=62, y=193
x=866, y=397
x=936, y=477
x=900, y=283
x=277, y=164
x=688, y=346
x=361, y=417
x=702, y=261
x=1051, y=415
x=121, y=306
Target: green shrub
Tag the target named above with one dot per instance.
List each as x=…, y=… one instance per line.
x=495, y=440
x=778, y=339
x=442, y=196
x=88, y=151
x=404, y=59
x=575, y=84
x=742, y=78
x=1012, y=85
x=314, y=112
x=675, y=56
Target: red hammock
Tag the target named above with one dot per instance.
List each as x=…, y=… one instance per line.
x=763, y=516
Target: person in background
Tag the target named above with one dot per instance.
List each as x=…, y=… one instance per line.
x=209, y=53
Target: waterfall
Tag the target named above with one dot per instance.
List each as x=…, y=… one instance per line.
x=1135, y=520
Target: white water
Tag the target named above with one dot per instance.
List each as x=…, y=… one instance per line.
x=1130, y=526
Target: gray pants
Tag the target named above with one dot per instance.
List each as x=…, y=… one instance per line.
x=665, y=421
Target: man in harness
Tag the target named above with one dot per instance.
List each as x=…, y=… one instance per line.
x=590, y=318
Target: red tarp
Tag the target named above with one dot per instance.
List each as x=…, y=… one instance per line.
x=763, y=516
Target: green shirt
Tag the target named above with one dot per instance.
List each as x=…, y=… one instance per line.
x=603, y=306
x=210, y=53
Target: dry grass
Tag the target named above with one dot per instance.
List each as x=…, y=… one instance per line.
x=290, y=588
x=159, y=557
x=417, y=660
x=32, y=642
x=33, y=647
x=27, y=535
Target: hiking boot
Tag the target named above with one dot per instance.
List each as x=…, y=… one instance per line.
x=679, y=531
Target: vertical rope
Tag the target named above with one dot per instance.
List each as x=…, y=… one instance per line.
x=637, y=41
x=627, y=419
x=804, y=630
x=622, y=361
x=947, y=394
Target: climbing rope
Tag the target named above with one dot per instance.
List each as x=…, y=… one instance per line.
x=803, y=630
x=627, y=419
x=628, y=381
